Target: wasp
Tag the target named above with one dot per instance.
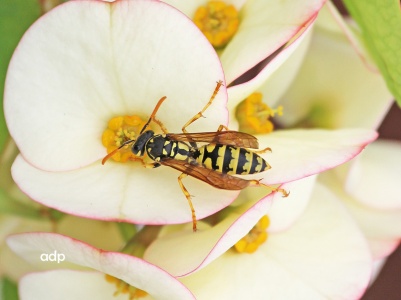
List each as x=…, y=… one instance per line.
x=225, y=153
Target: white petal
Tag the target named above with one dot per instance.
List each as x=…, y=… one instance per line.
x=132, y=270
x=281, y=80
x=374, y=178
x=377, y=267
x=341, y=247
x=67, y=284
x=383, y=248
x=335, y=84
x=323, y=256
x=207, y=244
x=87, y=61
x=381, y=227
x=189, y=7
x=378, y=225
x=300, y=153
x=104, y=235
x=284, y=212
x=265, y=26
x=12, y=266
x=332, y=20
x=121, y=192
x=281, y=69
x=211, y=242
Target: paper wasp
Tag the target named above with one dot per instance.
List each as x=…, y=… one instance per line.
x=225, y=154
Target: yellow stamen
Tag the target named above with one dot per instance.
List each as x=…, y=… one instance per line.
x=119, y=130
x=125, y=288
x=253, y=115
x=218, y=22
x=256, y=237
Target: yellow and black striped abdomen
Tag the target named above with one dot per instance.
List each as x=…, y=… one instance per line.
x=231, y=160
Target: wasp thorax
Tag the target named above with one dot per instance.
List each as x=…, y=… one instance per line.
x=124, y=288
x=217, y=21
x=119, y=130
x=256, y=237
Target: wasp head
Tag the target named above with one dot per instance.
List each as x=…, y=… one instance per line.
x=138, y=148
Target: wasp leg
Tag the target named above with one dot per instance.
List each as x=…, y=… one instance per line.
x=263, y=150
x=188, y=196
x=145, y=165
x=221, y=127
x=258, y=183
x=199, y=114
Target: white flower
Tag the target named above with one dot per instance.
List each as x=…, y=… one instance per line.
x=348, y=91
x=322, y=255
x=71, y=284
x=369, y=188
x=263, y=27
x=336, y=86
x=94, y=61
x=100, y=234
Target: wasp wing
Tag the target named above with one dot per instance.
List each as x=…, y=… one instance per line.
x=216, y=179
x=230, y=137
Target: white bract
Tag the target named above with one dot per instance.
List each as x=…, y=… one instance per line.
x=89, y=61
x=325, y=79
x=263, y=27
x=322, y=255
x=100, y=234
x=369, y=187
x=70, y=284
x=337, y=86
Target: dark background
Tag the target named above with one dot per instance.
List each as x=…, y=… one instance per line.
x=387, y=286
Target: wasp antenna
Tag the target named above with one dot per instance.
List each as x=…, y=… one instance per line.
x=153, y=113
x=106, y=158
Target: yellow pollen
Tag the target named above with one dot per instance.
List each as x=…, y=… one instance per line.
x=125, y=288
x=256, y=237
x=253, y=115
x=217, y=21
x=119, y=130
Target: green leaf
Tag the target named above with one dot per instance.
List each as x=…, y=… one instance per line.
x=127, y=230
x=10, y=205
x=15, y=18
x=8, y=290
x=380, y=23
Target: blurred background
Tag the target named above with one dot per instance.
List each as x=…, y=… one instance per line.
x=388, y=284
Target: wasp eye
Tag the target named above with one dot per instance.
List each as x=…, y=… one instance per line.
x=136, y=149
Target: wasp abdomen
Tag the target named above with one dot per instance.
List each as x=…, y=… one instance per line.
x=230, y=160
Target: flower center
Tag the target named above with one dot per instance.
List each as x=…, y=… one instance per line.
x=253, y=115
x=256, y=237
x=125, y=288
x=119, y=130
x=217, y=21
